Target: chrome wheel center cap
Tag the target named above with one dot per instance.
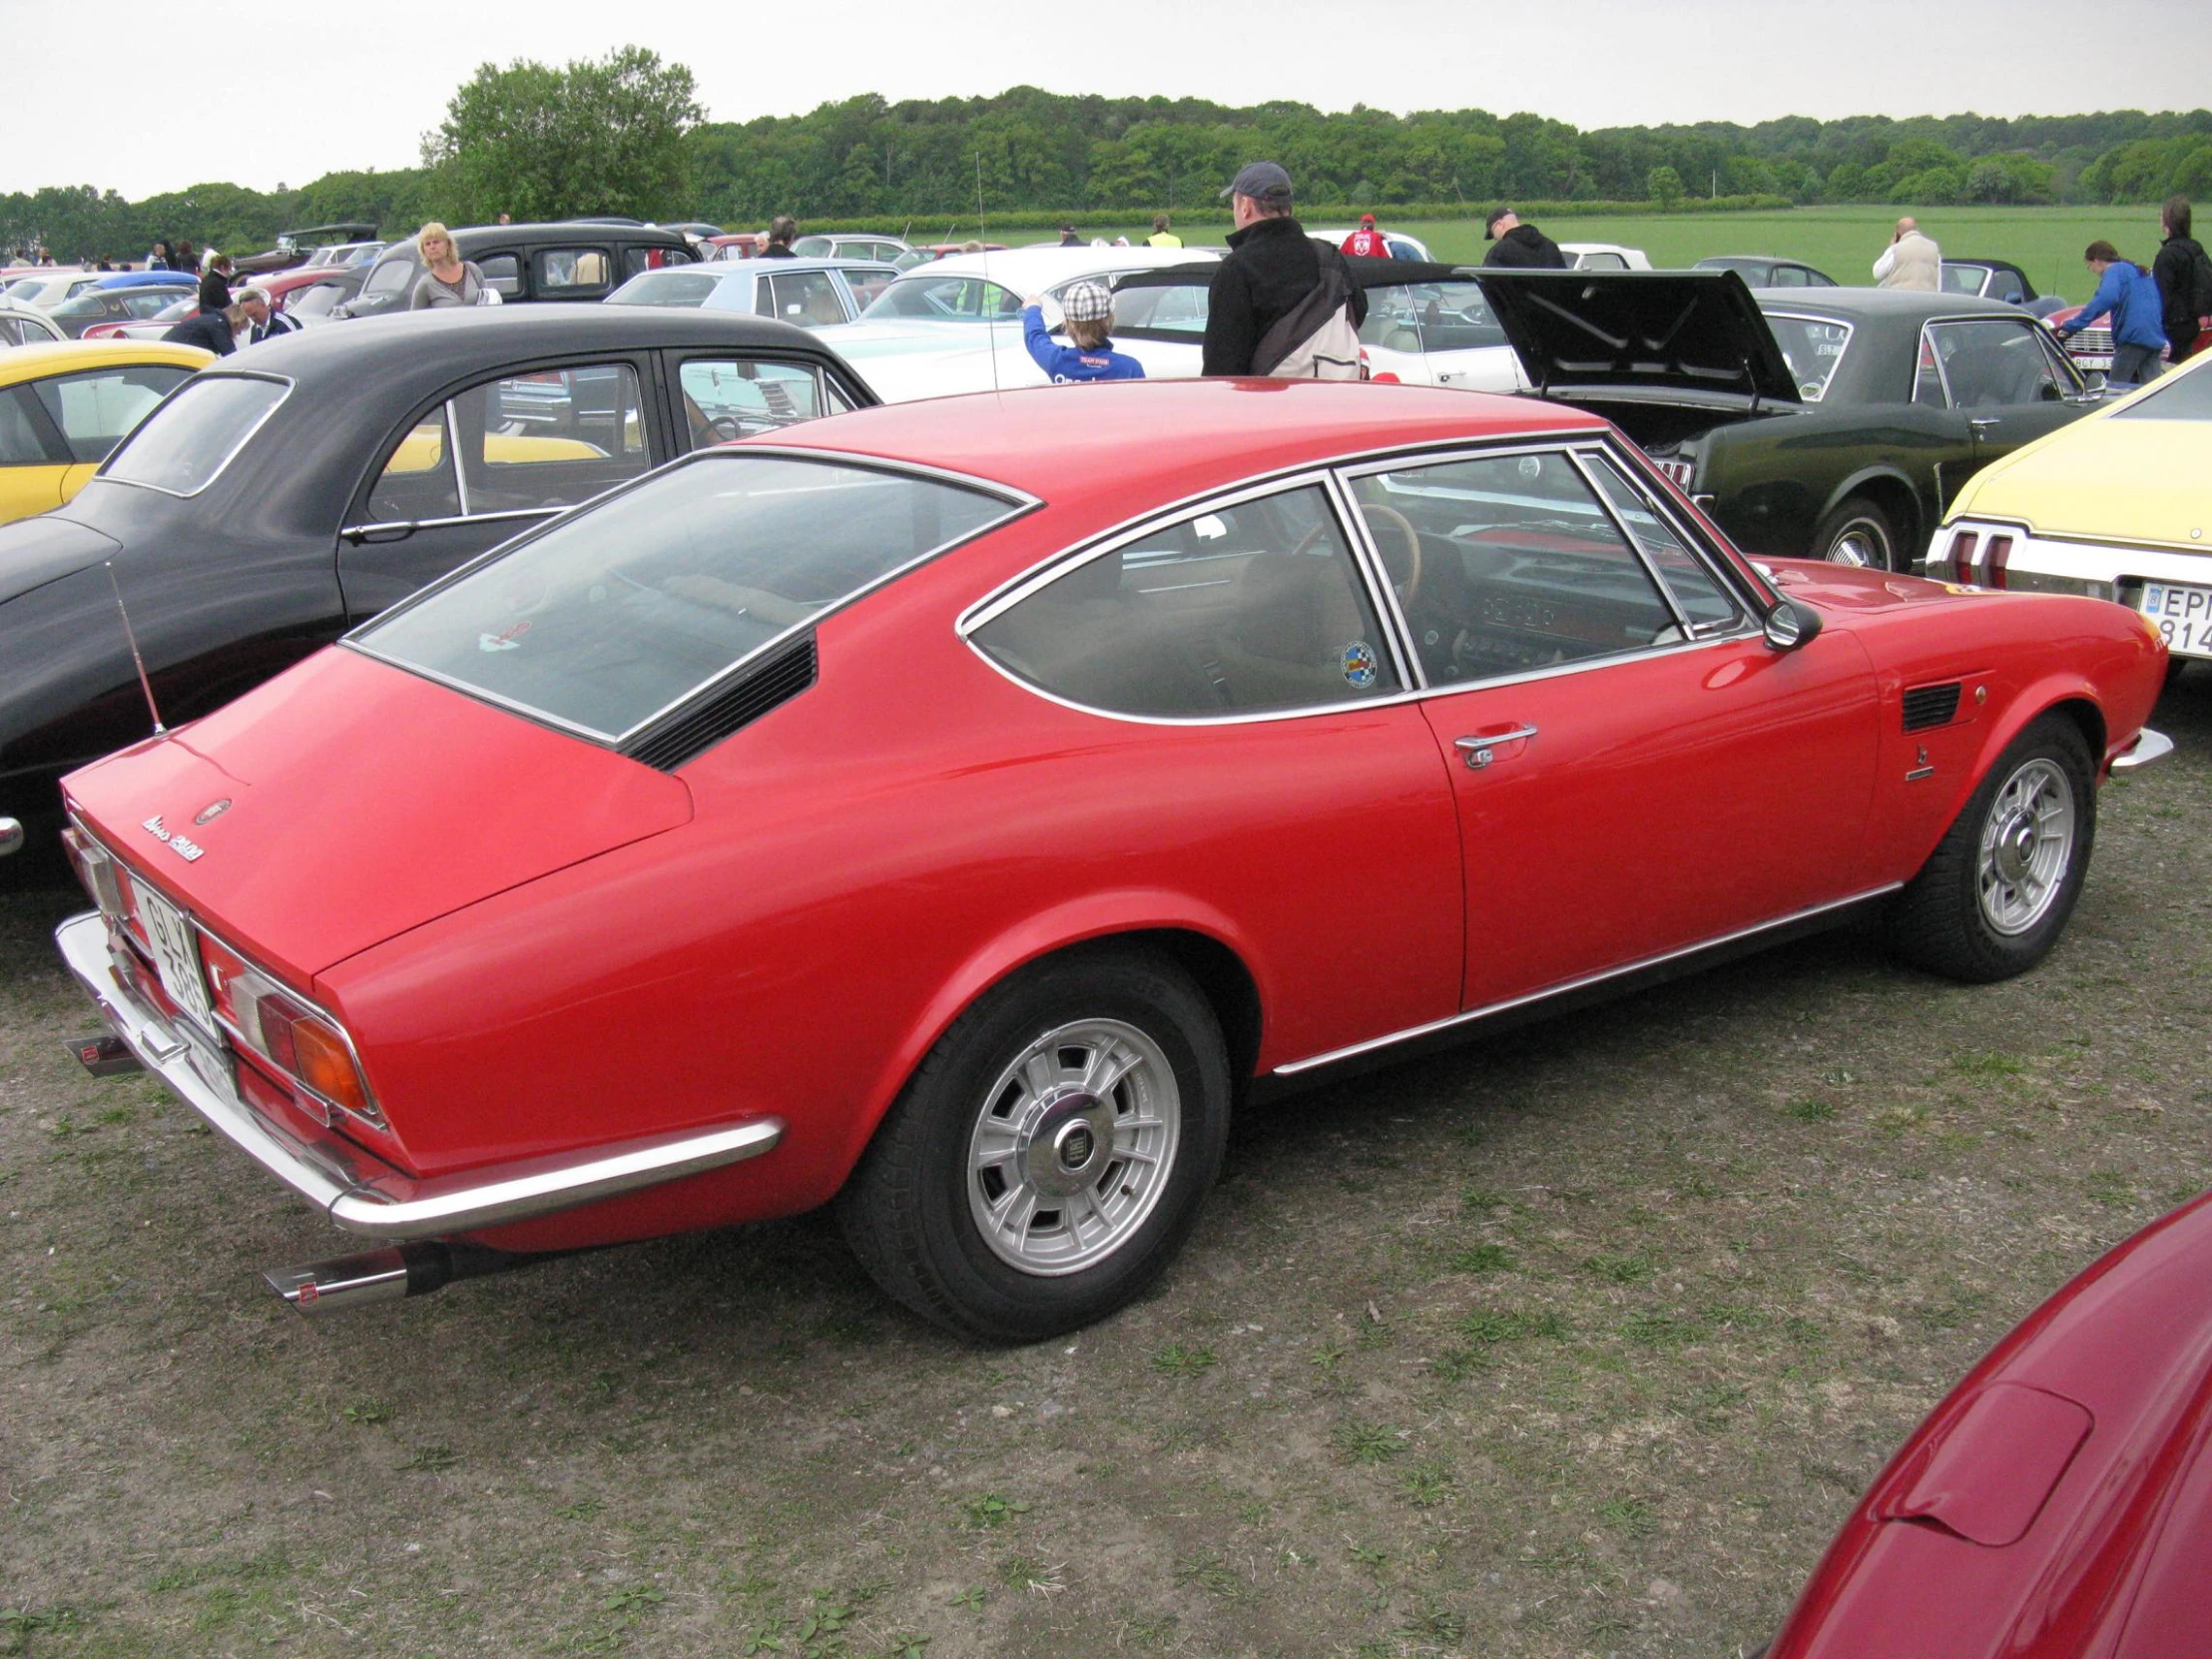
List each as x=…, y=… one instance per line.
x=1070, y=1144
x=2015, y=849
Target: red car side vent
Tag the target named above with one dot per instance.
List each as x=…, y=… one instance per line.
x=1926, y=706
x=689, y=731
x=1986, y=1473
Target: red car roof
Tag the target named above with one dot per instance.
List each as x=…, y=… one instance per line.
x=1065, y=442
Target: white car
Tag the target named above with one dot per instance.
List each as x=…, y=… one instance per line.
x=955, y=326
x=1434, y=329
x=1603, y=255
x=25, y=325
x=48, y=289
x=810, y=293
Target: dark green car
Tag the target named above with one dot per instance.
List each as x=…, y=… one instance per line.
x=1829, y=423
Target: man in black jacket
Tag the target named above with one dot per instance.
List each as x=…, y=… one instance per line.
x=1272, y=264
x=1516, y=244
x=215, y=332
x=2179, y=269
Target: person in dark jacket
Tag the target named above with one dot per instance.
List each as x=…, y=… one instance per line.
x=1272, y=264
x=782, y=231
x=264, y=320
x=2180, y=261
x=1516, y=244
x=215, y=332
x=215, y=286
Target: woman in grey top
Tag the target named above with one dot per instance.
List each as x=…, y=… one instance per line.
x=450, y=280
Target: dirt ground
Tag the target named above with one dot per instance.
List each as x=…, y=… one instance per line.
x=1579, y=1341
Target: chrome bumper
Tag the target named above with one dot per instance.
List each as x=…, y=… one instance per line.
x=391, y=1206
x=2148, y=746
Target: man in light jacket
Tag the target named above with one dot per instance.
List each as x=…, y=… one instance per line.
x=1912, y=260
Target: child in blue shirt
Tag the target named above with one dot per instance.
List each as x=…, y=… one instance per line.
x=1089, y=309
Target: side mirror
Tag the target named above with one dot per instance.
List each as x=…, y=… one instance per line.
x=1791, y=625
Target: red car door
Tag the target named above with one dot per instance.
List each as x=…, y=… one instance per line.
x=1636, y=769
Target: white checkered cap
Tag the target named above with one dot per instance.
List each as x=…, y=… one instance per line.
x=1086, y=303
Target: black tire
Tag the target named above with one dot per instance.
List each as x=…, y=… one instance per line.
x=910, y=1209
x=1942, y=922
x=1856, y=531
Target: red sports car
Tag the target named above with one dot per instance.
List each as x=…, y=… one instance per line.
x=954, y=809
x=2060, y=1502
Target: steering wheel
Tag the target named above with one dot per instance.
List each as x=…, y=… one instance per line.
x=1408, y=589
x=726, y=427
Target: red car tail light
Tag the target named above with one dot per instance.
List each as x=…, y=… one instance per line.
x=302, y=1045
x=1963, y=547
x=1993, y=562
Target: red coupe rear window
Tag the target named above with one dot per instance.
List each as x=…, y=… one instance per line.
x=621, y=611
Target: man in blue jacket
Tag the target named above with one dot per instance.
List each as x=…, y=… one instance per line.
x=2125, y=292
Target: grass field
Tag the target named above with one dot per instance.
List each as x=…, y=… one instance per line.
x=2047, y=242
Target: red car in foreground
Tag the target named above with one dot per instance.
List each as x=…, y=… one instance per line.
x=951, y=809
x=2058, y=1504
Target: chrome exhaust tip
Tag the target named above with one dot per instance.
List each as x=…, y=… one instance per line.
x=386, y=1275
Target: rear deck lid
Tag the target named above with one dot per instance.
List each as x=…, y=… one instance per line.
x=347, y=800
x=1653, y=330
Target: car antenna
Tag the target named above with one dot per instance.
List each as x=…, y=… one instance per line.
x=144, y=685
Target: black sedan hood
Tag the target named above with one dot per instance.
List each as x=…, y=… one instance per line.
x=1658, y=330
x=36, y=551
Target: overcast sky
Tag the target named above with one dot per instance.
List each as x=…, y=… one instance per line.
x=144, y=108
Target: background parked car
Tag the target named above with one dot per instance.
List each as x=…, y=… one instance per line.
x=1603, y=255
x=280, y=286
x=318, y=477
x=810, y=293
x=2113, y=506
x=1999, y=280
x=65, y=406
x=26, y=325
x=955, y=324
x=1764, y=271
x=868, y=250
x=52, y=293
x=322, y=299
x=573, y=261
x=1818, y=422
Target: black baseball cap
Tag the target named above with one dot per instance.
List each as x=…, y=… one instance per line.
x=1262, y=180
x=1489, y=226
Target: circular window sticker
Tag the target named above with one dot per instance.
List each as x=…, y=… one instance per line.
x=1358, y=664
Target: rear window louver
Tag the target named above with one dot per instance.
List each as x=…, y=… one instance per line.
x=1926, y=706
x=688, y=733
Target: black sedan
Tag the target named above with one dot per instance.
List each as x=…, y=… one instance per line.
x=1765, y=271
x=285, y=494
x=1833, y=424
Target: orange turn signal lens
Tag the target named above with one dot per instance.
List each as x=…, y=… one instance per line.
x=326, y=1066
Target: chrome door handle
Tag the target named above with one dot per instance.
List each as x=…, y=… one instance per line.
x=1982, y=423
x=1478, y=749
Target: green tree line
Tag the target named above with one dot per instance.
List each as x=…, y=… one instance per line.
x=625, y=134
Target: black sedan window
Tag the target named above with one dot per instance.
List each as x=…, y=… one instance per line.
x=184, y=445
x=1813, y=347
x=623, y=610
x=1991, y=363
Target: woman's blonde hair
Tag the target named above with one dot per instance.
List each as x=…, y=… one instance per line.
x=434, y=230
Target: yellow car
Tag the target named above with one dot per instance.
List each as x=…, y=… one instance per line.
x=2117, y=505
x=64, y=405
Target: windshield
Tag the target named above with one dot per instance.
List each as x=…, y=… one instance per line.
x=667, y=287
x=944, y=300
x=623, y=610
x=2177, y=397
x=1813, y=346
x=185, y=444
x=814, y=247
x=1965, y=279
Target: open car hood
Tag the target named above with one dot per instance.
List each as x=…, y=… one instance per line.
x=1655, y=331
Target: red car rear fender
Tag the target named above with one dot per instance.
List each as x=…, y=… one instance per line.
x=1084, y=921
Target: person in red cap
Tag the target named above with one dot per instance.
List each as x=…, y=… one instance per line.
x=1367, y=242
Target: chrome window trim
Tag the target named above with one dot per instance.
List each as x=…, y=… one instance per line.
x=1935, y=358
x=502, y=516
x=1066, y=559
x=305, y=999
x=454, y=448
x=1851, y=331
x=1700, y=555
x=1566, y=987
x=230, y=455
x=1320, y=476
x=1366, y=558
x=1020, y=503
